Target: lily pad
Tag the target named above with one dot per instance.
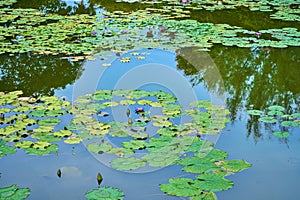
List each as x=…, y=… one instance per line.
x=276, y=108
x=13, y=192
x=134, y=144
x=267, y=119
x=105, y=193
x=130, y=163
x=160, y=159
x=289, y=123
x=234, y=165
x=281, y=134
x=100, y=147
x=49, y=122
x=181, y=187
x=5, y=150
x=255, y=112
x=51, y=149
x=197, y=165
x=213, y=182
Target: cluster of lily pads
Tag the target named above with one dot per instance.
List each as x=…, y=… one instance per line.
x=14, y=192
x=172, y=143
x=29, y=30
x=284, y=10
x=276, y=116
x=32, y=123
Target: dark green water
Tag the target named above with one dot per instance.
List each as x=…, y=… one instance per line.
x=251, y=78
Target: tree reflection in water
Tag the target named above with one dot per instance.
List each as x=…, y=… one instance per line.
x=37, y=73
x=254, y=78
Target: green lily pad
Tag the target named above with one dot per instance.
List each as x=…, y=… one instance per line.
x=181, y=187
x=267, y=119
x=234, y=165
x=51, y=149
x=289, y=123
x=100, y=147
x=212, y=154
x=160, y=159
x=13, y=192
x=5, y=150
x=255, y=112
x=73, y=140
x=205, y=196
x=105, y=193
x=281, y=134
x=197, y=165
x=276, y=108
x=62, y=133
x=130, y=163
x=48, y=137
x=213, y=182
x=134, y=144
x=49, y=122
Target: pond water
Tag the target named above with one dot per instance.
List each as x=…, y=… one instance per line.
x=239, y=78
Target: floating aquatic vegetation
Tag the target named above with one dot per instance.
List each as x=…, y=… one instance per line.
x=281, y=134
x=5, y=150
x=129, y=163
x=234, y=165
x=160, y=159
x=277, y=116
x=105, y=193
x=13, y=192
x=30, y=125
x=33, y=31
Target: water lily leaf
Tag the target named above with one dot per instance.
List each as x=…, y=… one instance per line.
x=62, y=133
x=202, y=104
x=99, y=147
x=213, y=182
x=275, y=112
x=127, y=102
x=13, y=192
x=43, y=129
x=281, y=134
x=160, y=159
x=205, y=196
x=101, y=95
x=73, y=140
x=156, y=144
x=49, y=122
x=134, y=144
x=197, y=165
x=180, y=187
x=5, y=150
x=289, y=123
x=267, y=119
x=121, y=152
x=255, y=112
x=234, y=165
x=24, y=144
x=75, y=127
x=40, y=145
x=212, y=154
x=55, y=113
x=105, y=193
x=48, y=137
x=276, y=108
x=162, y=123
x=296, y=115
x=38, y=113
x=130, y=163
x=51, y=149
